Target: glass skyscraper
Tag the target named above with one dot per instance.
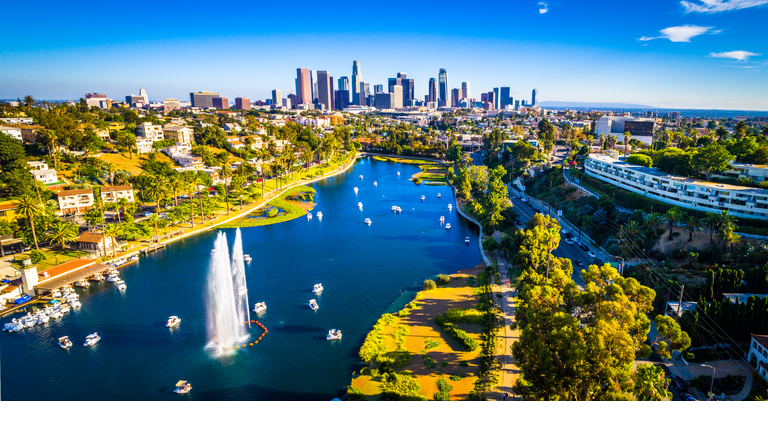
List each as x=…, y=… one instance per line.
x=443, y=92
x=356, y=78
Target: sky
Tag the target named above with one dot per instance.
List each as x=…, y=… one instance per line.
x=708, y=54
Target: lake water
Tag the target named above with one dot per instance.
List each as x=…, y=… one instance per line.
x=365, y=271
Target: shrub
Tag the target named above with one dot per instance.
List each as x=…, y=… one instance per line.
x=403, y=313
x=399, y=387
x=465, y=315
x=272, y=212
x=36, y=256
x=442, y=396
x=455, y=377
x=354, y=394
x=443, y=279
x=431, y=343
x=429, y=284
x=464, y=363
x=460, y=335
x=417, y=180
x=387, y=319
x=689, y=356
x=397, y=359
x=443, y=388
x=365, y=371
x=444, y=364
x=680, y=254
x=412, y=305
x=429, y=362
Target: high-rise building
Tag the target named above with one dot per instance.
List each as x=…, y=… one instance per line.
x=356, y=78
x=383, y=100
x=344, y=83
x=496, y=98
x=363, y=92
x=408, y=88
x=505, y=98
x=465, y=89
x=455, y=97
x=397, y=96
x=277, y=97
x=443, y=95
x=138, y=101
x=341, y=99
x=220, y=103
x=313, y=85
x=202, y=99
x=171, y=104
x=534, y=97
x=242, y=103
x=517, y=104
x=432, y=97
x=303, y=86
x=325, y=89
x=379, y=88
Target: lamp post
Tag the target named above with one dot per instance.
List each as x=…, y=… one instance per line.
x=711, y=385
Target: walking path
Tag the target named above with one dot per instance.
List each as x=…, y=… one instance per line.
x=509, y=370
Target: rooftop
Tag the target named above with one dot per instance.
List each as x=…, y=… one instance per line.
x=761, y=339
x=116, y=188
x=76, y=192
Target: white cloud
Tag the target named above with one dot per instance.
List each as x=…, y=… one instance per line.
x=545, y=8
x=682, y=33
x=713, y=6
x=736, y=55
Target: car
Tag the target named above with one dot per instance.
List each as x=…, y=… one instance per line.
x=687, y=397
x=680, y=384
x=148, y=214
x=537, y=211
x=568, y=235
x=564, y=231
x=569, y=241
x=579, y=263
x=591, y=254
x=185, y=196
x=524, y=199
x=598, y=262
x=584, y=248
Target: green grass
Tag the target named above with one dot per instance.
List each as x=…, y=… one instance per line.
x=290, y=210
x=405, y=161
x=58, y=256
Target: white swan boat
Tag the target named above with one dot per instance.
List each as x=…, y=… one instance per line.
x=56, y=314
x=375, y=184
x=320, y=215
x=42, y=318
x=333, y=334
x=355, y=189
x=65, y=308
x=28, y=321
x=64, y=342
x=318, y=288
x=92, y=339
x=247, y=258
x=56, y=293
x=260, y=307
x=466, y=240
x=367, y=221
x=438, y=194
x=13, y=326
x=173, y=321
x=309, y=216
x=398, y=173
x=442, y=219
x=313, y=305
x=361, y=176
x=75, y=303
x=423, y=197
x=450, y=207
x=182, y=387
x=82, y=283
x=447, y=226
x=360, y=205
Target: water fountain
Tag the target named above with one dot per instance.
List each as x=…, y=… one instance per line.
x=225, y=325
x=238, y=280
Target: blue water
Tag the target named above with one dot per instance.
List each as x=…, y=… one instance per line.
x=365, y=270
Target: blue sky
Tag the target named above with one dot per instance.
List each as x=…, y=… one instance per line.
x=675, y=54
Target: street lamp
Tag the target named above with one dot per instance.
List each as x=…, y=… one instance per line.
x=711, y=385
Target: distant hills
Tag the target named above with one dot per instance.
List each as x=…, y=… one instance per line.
x=559, y=104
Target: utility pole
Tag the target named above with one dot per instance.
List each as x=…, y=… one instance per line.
x=680, y=302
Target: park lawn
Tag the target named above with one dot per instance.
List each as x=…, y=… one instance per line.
x=420, y=323
x=133, y=166
x=292, y=209
x=404, y=160
x=56, y=256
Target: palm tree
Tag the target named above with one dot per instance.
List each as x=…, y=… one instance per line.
x=154, y=219
x=29, y=208
x=673, y=216
x=175, y=183
x=725, y=220
x=729, y=238
x=29, y=100
x=711, y=223
x=307, y=157
x=112, y=231
x=627, y=135
x=51, y=144
x=226, y=175
x=652, y=221
x=62, y=233
x=157, y=190
x=121, y=204
x=112, y=207
x=651, y=384
x=692, y=223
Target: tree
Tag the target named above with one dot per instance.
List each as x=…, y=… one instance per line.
x=154, y=219
x=740, y=130
x=496, y=199
x=692, y=224
x=62, y=232
x=710, y=159
x=640, y=159
x=112, y=231
x=157, y=190
x=651, y=383
x=627, y=136
x=29, y=208
x=669, y=337
x=673, y=216
x=454, y=152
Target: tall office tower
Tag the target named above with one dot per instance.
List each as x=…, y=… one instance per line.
x=443, y=94
x=202, y=99
x=465, y=90
x=313, y=85
x=341, y=99
x=432, y=97
x=379, y=88
x=517, y=104
x=220, y=102
x=343, y=83
x=324, y=89
x=483, y=97
x=534, y=97
x=277, y=97
x=455, y=97
x=491, y=98
x=496, y=98
x=332, y=92
x=505, y=100
x=242, y=103
x=397, y=96
x=303, y=86
x=363, y=93
x=370, y=100
x=356, y=78
x=408, y=88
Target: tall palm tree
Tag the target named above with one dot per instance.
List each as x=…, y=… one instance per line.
x=725, y=220
x=651, y=384
x=154, y=219
x=307, y=158
x=652, y=221
x=157, y=190
x=29, y=208
x=710, y=221
x=51, y=144
x=112, y=207
x=627, y=135
x=112, y=231
x=121, y=204
x=62, y=232
x=632, y=229
x=673, y=216
x=226, y=175
x=692, y=223
x=175, y=184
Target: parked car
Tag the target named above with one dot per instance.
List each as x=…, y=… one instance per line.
x=564, y=232
x=591, y=254
x=680, y=384
x=579, y=263
x=569, y=241
x=148, y=214
x=687, y=397
x=598, y=262
x=584, y=248
x=537, y=211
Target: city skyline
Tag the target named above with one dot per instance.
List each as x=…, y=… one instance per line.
x=694, y=54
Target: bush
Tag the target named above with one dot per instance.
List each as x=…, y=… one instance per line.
x=400, y=387
x=429, y=362
x=460, y=335
x=431, y=343
x=365, y=371
x=443, y=279
x=417, y=180
x=680, y=254
x=429, y=284
x=272, y=212
x=403, y=313
x=464, y=315
x=354, y=394
x=443, y=364
x=443, y=388
x=36, y=256
x=442, y=396
x=464, y=363
x=455, y=377
x=397, y=359
x=689, y=356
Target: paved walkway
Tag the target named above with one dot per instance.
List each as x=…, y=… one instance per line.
x=506, y=337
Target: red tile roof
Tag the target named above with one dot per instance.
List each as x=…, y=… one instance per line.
x=90, y=237
x=761, y=339
x=76, y=192
x=116, y=188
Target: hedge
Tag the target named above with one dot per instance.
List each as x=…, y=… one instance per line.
x=460, y=335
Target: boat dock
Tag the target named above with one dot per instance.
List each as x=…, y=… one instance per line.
x=147, y=250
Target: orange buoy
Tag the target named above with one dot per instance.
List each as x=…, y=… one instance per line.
x=251, y=343
x=244, y=345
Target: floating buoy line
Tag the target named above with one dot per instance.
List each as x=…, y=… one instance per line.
x=248, y=344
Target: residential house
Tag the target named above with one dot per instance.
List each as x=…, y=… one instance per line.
x=179, y=133
x=113, y=193
x=38, y=165
x=232, y=127
x=47, y=176
x=29, y=133
x=8, y=210
x=94, y=242
x=758, y=354
x=17, y=120
x=11, y=131
x=75, y=201
x=144, y=145
x=149, y=130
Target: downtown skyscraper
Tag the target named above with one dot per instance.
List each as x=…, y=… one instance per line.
x=325, y=89
x=465, y=90
x=303, y=86
x=432, y=96
x=443, y=92
x=356, y=79
x=534, y=97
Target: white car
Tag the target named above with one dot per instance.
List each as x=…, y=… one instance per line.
x=569, y=241
x=591, y=254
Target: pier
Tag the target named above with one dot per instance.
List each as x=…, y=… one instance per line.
x=149, y=249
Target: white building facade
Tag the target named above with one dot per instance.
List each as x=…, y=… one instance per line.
x=758, y=354
x=684, y=192
x=149, y=130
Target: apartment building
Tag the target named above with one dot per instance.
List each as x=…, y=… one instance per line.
x=149, y=130
x=75, y=201
x=144, y=145
x=758, y=354
x=684, y=192
x=179, y=133
x=14, y=132
x=114, y=193
x=756, y=173
x=47, y=176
